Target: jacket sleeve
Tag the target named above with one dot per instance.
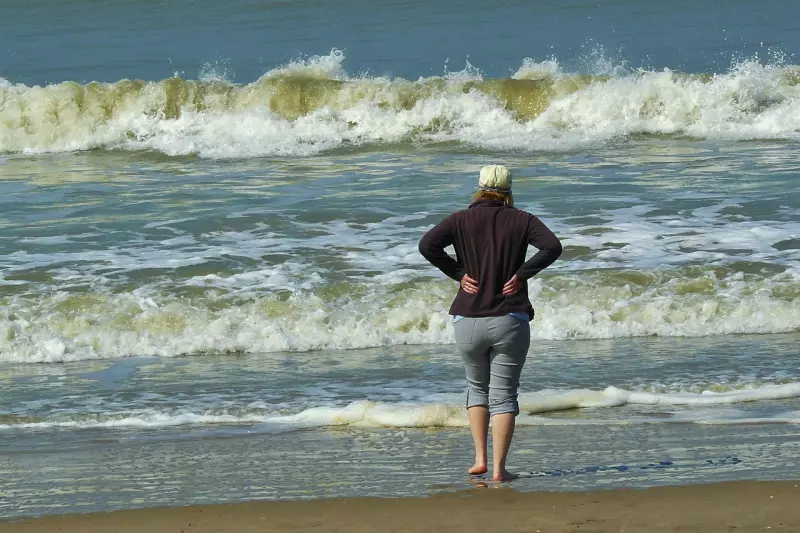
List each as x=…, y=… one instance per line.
x=432, y=246
x=549, y=247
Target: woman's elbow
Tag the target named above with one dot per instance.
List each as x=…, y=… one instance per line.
x=424, y=248
x=556, y=249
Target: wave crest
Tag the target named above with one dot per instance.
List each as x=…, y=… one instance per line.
x=312, y=105
x=683, y=302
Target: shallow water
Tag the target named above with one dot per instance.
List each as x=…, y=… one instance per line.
x=152, y=431
x=202, y=429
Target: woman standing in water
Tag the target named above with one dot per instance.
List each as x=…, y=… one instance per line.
x=492, y=310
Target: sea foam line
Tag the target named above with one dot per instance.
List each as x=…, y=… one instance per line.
x=373, y=414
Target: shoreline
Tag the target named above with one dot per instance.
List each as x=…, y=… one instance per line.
x=720, y=507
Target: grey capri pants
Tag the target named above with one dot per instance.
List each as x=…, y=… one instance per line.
x=493, y=350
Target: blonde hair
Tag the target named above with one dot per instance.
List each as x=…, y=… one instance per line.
x=506, y=197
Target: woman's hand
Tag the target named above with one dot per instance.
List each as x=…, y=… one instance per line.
x=513, y=286
x=469, y=285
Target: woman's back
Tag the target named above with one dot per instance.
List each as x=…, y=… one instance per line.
x=490, y=240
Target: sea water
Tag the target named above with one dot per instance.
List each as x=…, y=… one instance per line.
x=209, y=283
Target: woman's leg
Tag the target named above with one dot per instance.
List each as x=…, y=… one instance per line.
x=512, y=338
x=479, y=424
x=502, y=432
x=474, y=352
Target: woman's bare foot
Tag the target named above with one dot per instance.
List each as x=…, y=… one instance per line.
x=504, y=475
x=477, y=469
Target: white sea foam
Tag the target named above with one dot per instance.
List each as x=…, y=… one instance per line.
x=774, y=392
x=703, y=236
x=379, y=312
x=366, y=413
x=388, y=297
x=732, y=417
x=539, y=70
x=150, y=419
x=330, y=66
x=752, y=101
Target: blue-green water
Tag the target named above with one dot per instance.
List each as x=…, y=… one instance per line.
x=208, y=226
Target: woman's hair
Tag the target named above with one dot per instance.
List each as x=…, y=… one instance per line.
x=506, y=197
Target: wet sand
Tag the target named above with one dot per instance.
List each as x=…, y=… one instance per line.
x=745, y=506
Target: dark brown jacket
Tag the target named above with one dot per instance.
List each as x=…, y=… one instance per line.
x=490, y=240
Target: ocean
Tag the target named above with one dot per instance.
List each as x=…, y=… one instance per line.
x=210, y=289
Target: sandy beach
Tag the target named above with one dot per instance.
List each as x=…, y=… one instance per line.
x=736, y=506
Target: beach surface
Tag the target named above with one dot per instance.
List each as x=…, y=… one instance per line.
x=736, y=506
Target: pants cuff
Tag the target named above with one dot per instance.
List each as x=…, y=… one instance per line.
x=503, y=408
x=477, y=399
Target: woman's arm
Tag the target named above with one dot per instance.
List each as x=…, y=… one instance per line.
x=432, y=246
x=549, y=247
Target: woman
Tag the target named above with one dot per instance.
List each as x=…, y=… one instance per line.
x=492, y=310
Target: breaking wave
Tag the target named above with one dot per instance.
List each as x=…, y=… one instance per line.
x=690, y=301
x=311, y=106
